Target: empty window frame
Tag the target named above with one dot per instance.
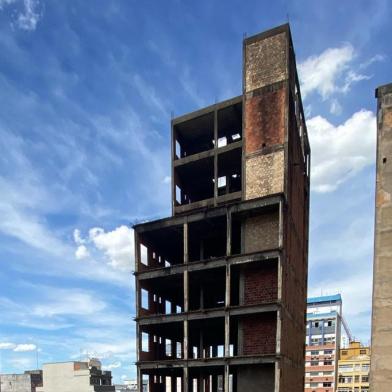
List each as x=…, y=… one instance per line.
x=194, y=136
x=229, y=124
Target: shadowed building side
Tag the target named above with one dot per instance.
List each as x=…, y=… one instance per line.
x=381, y=354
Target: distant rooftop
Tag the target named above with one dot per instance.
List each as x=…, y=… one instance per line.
x=325, y=298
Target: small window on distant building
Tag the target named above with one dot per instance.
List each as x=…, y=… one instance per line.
x=362, y=352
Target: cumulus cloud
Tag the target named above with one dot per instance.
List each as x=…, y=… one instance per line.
x=7, y=345
x=25, y=347
x=339, y=152
x=333, y=71
x=78, y=238
x=117, y=245
x=82, y=252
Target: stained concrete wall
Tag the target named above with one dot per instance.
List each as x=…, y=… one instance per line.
x=256, y=379
x=381, y=356
x=15, y=383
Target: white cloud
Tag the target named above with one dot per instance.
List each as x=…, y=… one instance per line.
x=320, y=73
x=82, y=252
x=374, y=59
x=7, y=346
x=116, y=245
x=335, y=108
x=339, y=152
x=78, y=238
x=331, y=72
x=29, y=18
x=167, y=180
x=25, y=347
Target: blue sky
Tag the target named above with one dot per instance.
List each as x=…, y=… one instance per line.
x=87, y=89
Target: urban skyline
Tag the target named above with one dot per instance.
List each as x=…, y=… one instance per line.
x=76, y=141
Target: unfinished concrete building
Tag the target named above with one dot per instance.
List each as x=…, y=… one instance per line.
x=221, y=285
x=381, y=355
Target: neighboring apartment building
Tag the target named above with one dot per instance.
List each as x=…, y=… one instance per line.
x=26, y=382
x=76, y=376
x=381, y=356
x=221, y=284
x=353, y=368
x=323, y=339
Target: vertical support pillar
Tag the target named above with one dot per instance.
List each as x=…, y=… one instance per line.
x=281, y=224
x=215, y=157
x=228, y=233
x=227, y=379
x=185, y=378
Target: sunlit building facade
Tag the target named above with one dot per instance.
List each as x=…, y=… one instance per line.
x=353, y=368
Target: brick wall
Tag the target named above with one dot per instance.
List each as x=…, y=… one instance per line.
x=261, y=232
x=264, y=174
x=265, y=61
x=265, y=119
x=259, y=334
x=260, y=283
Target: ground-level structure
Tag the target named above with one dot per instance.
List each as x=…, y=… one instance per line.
x=26, y=382
x=323, y=339
x=381, y=356
x=221, y=285
x=80, y=376
x=353, y=368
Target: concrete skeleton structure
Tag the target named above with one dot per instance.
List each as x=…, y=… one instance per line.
x=353, y=368
x=80, y=376
x=381, y=356
x=26, y=382
x=221, y=285
x=323, y=339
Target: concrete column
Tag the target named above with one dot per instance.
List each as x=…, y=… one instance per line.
x=228, y=233
x=215, y=157
x=185, y=379
x=137, y=251
x=227, y=379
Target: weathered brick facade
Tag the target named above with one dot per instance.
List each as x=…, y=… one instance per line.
x=259, y=334
x=260, y=284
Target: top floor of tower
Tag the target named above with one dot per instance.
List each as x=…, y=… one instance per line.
x=250, y=146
